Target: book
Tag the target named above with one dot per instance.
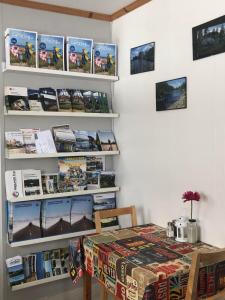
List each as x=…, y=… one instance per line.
x=13, y=184
x=77, y=100
x=31, y=182
x=14, y=142
x=48, y=99
x=29, y=266
x=44, y=142
x=81, y=213
x=47, y=264
x=59, y=261
x=72, y=174
x=82, y=141
x=95, y=163
x=96, y=102
x=64, y=100
x=107, y=179
x=40, y=272
x=107, y=141
x=88, y=101
x=103, y=202
x=50, y=183
x=24, y=221
x=21, y=47
x=56, y=216
x=104, y=105
x=16, y=98
x=34, y=100
x=64, y=138
x=105, y=59
x=15, y=270
x=51, y=52
x=93, y=180
x=92, y=136
x=79, y=54
x=29, y=137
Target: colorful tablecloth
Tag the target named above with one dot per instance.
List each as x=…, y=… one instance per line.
x=141, y=263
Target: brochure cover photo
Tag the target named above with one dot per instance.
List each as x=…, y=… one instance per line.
x=105, y=59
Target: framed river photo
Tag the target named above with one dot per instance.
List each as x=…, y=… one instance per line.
x=209, y=38
x=171, y=94
x=142, y=58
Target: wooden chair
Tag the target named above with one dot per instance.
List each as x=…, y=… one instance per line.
x=104, y=214
x=207, y=258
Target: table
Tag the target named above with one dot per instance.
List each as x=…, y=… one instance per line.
x=141, y=263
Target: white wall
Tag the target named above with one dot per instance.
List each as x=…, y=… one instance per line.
x=166, y=153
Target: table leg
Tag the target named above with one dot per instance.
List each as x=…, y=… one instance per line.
x=86, y=286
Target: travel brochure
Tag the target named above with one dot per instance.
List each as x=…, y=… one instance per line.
x=50, y=99
x=30, y=49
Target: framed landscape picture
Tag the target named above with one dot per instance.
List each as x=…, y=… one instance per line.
x=142, y=58
x=209, y=38
x=171, y=94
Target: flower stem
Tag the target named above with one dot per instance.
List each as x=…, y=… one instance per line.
x=191, y=209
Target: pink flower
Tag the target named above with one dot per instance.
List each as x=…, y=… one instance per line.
x=98, y=62
x=73, y=58
x=191, y=196
x=15, y=50
x=43, y=55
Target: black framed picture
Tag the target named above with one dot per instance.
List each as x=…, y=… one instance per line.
x=209, y=38
x=171, y=94
x=142, y=58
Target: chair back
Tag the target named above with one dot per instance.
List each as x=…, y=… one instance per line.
x=206, y=258
x=110, y=213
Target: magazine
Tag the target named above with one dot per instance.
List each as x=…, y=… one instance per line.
x=14, y=142
x=64, y=100
x=34, y=100
x=104, y=105
x=95, y=163
x=29, y=266
x=64, y=138
x=105, y=59
x=29, y=137
x=107, y=141
x=79, y=54
x=88, y=101
x=93, y=180
x=51, y=52
x=21, y=47
x=15, y=270
x=81, y=213
x=16, y=98
x=77, y=100
x=44, y=142
x=32, y=182
x=72, y=174
x=13, y=184
x=48, y=99
x=47, y=264
x=56, y=216
x=107, y=179
x=50, y=183
x=82, y=141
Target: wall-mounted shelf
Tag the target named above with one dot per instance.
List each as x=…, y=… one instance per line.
x=39, y=282
x=68, y=194
x=61, y=154
x=60, y=114
x=58, y=237
x=8, y=69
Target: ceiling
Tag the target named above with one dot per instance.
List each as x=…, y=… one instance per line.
x=100, y=6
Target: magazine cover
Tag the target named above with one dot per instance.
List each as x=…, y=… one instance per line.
x=105, y=59
x=77, y=100
x=14, y=142
x=15, y=270
x=32, y=182
x=24, y=221
x=51, y=52
x=21, y=47
x=104, y=105
x=29, y=266
x=79, y=54
x=82, y=141
x=88, y=101
x=56, y=218
x=93, y=180
x=107, y=179
x=47, y=264
x=50, y=183
x=59, y=261
x=16, y=98
x=107, y=141
x=96, y=102
x=72, y=174
x=64, y=138
x=44, y=142
x=81, y=213
x=64, y=100
x=34, y=100
x=48, y=99
x=13, y=184
x=95, y=163
x=92, y=136
x=105, y=201
x=29, y=138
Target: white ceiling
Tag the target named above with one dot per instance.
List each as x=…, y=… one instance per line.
x=101, y=6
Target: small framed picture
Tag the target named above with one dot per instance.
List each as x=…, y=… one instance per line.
x=209, y=38
x=142, y=58
x=171, y=94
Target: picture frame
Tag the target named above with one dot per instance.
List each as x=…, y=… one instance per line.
x=142, y=58
x=171, y=94
x=209, y=38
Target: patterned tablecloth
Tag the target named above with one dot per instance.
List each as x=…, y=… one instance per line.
x=141, y=263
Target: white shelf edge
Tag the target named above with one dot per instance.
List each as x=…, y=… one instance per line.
x=68, y=194
x=61, y=154
x=58, y=237
x=60, y=114
x=39, y=282
x=10, y=68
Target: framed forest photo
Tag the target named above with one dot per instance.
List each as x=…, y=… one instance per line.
x=209, y=38
x=142, y=58
x=171, y=94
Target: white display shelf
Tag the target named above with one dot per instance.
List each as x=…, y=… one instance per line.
x=60, y=114
x=39, y=282
x=60, y=154
x=58, y=237
x=68, y=194
x=9, y=68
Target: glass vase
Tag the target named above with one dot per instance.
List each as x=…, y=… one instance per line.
x=192, y=229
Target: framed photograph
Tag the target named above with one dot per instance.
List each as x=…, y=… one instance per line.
x=171, y=94
x=209, y=38
x=142, y=58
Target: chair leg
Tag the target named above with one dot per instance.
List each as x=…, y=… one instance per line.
x=104, y=294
